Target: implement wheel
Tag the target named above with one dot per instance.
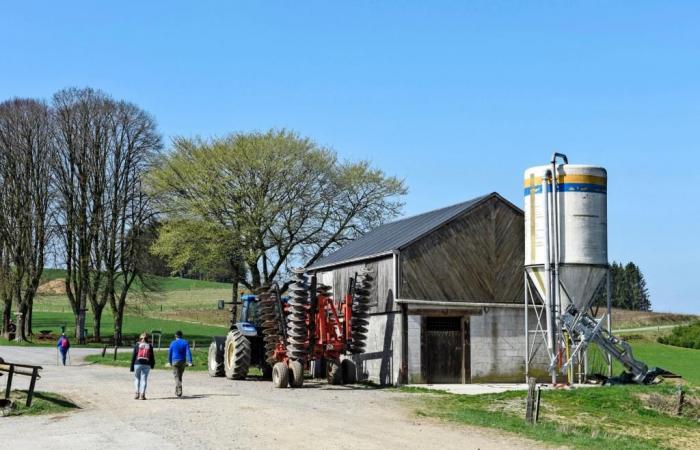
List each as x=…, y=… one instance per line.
x=236, y=356
x=215, y=358
x=296, y=374
x=334, y=372
x=280, y=375
x=349, y=370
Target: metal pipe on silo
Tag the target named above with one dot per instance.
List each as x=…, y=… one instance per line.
x=547, y=265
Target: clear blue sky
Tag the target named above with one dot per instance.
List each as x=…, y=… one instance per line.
x=456, y=97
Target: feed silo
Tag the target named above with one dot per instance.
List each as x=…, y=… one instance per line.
x=566, y=256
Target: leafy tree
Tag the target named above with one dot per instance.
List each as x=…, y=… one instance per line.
x=283, y=198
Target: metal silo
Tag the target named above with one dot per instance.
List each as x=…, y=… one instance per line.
x=566, y=256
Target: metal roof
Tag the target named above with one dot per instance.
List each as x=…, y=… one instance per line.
x=392, y=236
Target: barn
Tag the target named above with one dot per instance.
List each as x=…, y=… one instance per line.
x=447, y=299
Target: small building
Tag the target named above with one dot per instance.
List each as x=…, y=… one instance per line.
x=447, y=300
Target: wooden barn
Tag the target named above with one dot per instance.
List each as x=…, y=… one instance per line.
x=447, y=295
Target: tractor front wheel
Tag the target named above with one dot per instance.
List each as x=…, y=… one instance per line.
x=280, y=375
x=236, y=355
x=215, y=358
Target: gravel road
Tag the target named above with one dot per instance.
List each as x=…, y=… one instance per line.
x=218, y=413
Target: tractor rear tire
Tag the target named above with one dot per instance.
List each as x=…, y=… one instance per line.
x=349, y=370
x=296, y=374
x=334, y=372
x=215, y=358
x=280, y=375
x=236, y=355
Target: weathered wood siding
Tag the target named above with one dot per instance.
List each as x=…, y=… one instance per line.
x=382, y=295
x=476, y=257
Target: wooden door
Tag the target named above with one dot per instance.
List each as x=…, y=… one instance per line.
x=444, y=350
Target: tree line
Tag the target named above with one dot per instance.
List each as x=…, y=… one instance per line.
x=84, y=177
x=628, y=288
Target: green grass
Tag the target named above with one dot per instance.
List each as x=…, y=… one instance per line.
x=42, y=403
x=599, y=417
x=133, y=326
x=681, y=361
x=199, y=359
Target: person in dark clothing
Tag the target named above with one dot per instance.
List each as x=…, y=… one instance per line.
x=143, y=359
x=179, y=356
x=63, y=346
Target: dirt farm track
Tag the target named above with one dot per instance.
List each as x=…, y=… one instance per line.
x=218, y=413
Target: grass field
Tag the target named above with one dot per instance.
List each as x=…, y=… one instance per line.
x=199, y=359
x=629, y=417
x=42, y=403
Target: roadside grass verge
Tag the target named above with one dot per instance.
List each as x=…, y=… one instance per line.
x=610, y=417
x=199, y=359
x=42, y=403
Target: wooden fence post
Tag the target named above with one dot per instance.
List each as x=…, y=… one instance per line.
x=10, y=373
x=30, y=394
x=530, y=405
x=679, y=403
x=115, y=352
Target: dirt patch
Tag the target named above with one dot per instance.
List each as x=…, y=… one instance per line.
x=53, y=287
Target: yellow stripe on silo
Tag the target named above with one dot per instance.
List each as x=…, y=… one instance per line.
x=561, y=179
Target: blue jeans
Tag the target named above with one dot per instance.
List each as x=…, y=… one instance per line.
x=141, y=377
x=64, y=353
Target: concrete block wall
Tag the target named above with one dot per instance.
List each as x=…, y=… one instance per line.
x=497, y=346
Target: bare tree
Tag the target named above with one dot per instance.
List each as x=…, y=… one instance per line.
x=103, y=148
x=26, y=153
x=136, y=141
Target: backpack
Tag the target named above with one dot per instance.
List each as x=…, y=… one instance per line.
x=65, y=344
x=144, y=352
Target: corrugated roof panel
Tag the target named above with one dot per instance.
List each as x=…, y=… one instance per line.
x=394, y=235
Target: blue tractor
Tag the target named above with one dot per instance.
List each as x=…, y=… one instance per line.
x=232, y=355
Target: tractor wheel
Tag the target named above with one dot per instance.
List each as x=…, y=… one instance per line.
x=215, y=359
x=280, y=375
x=296, y=374
x=236, y=356
x=349, y=370
x=266, y=371
x=334, y=372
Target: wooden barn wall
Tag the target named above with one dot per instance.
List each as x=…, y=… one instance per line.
x=477, y=257
x=382, y=292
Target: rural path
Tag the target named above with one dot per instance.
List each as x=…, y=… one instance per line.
x=218, y=413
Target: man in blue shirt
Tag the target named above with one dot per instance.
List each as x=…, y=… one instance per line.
x=179, y=356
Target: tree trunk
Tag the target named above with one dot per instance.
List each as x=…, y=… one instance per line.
x=28, y=320
x=21, y=325
x=6, y=316
x=96, y=322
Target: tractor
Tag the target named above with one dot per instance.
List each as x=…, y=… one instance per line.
x=233, y=354
x=309, y=330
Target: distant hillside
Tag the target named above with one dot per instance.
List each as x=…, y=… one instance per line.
x=156, y=283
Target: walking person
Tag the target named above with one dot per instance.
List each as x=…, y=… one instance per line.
x=63, y=346
x=179, y=356
x=143, y=359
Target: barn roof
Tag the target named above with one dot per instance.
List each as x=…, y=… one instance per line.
x=392, y=236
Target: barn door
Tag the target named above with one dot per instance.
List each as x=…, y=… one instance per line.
x=444, y=352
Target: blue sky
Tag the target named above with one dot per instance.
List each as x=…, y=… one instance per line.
x=457, y=98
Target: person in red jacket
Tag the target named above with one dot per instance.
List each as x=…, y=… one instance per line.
x=63, y=345
x=143, y=360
